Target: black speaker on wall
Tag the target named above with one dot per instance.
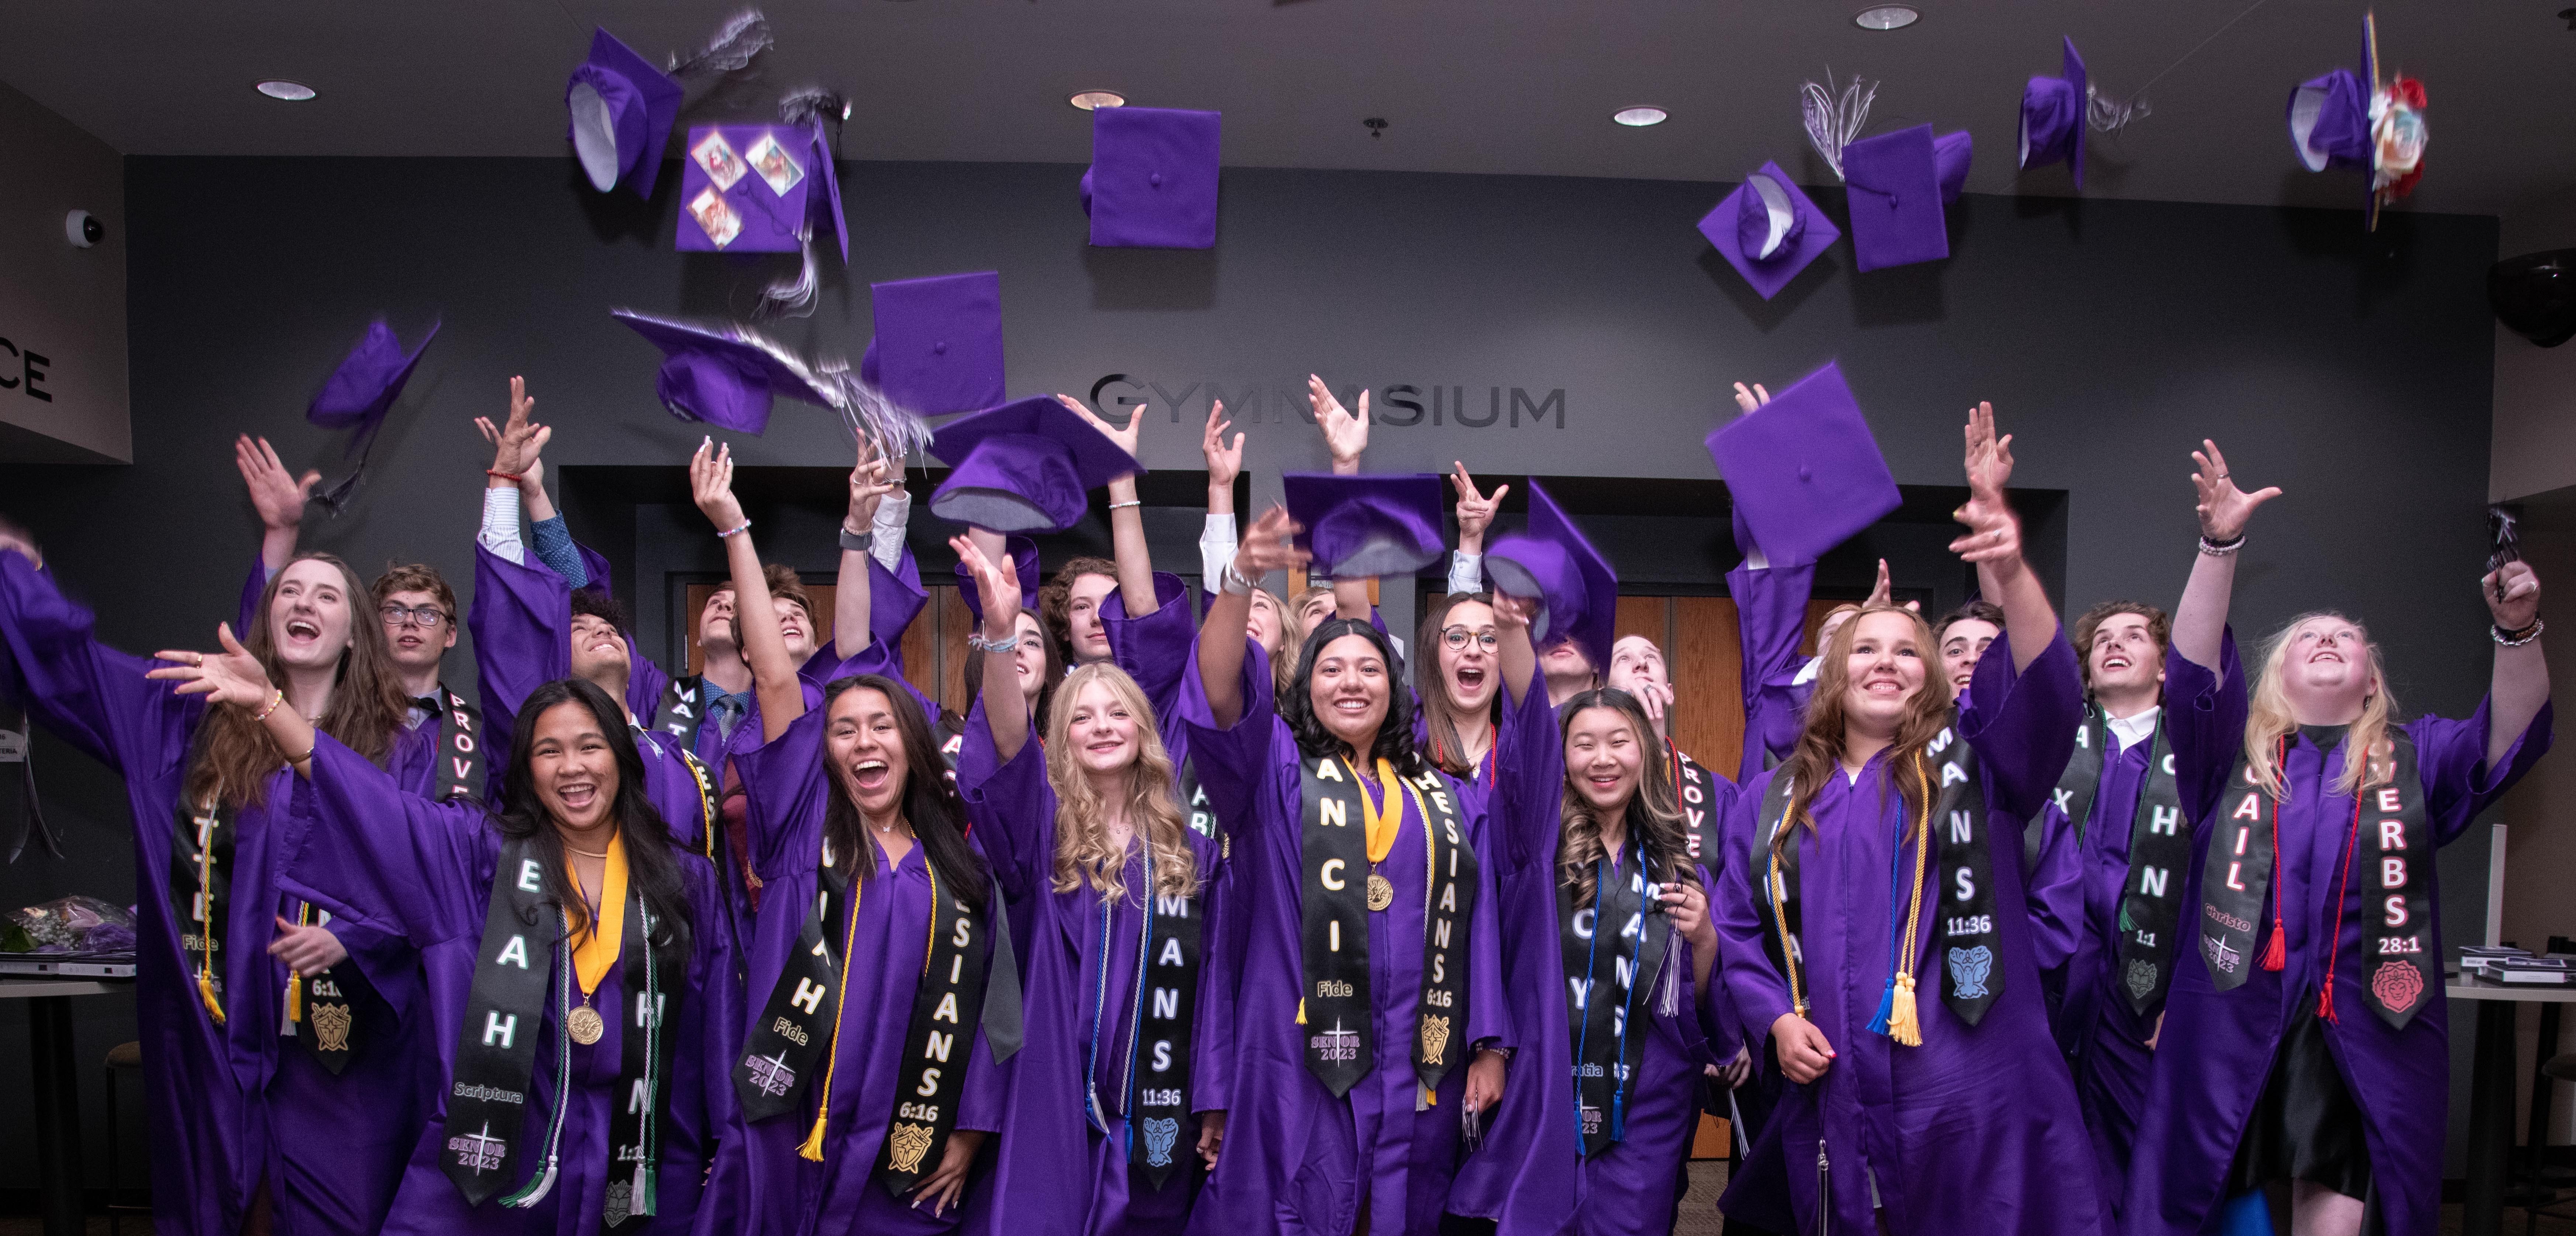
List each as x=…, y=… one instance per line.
x=2535, y=295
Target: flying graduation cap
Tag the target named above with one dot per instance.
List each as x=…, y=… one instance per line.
x=1896, y=183
x=1552, y=562
x=1769, y=230
x=357, y=396
x=1359, y=527
x=1152, y=180
x=938, y=344
x=1803, y=469
x=1027, y=466
x=728, y=375
x=621, y=108
x=2054, y=116
x=2355, y=121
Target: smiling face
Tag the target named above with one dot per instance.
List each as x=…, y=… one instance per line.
x=1886, y=669
x=2124, y=661
x=1350, y=690
x=1637, y=666
x=715, y=622
x=796, y=627
x=863, y=747
x=416, y=647
x=1090, y=640
x=1961, y=644
x=1029, y=659
x=573, y=767
x=1604, y=758
x=308, y=619
x=1264, y=625
x=1469, y=665
x=599, y=653
x=1102, y=729
x=2325, y=670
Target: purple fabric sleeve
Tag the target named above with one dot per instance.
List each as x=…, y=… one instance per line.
x=253, y=587
x=2023, y=723
x=1154, y=649
x=895, y=598
x=1759, y=995
x=389, y=858
x=89, y=694
x=521, y=621
x=1771, y=617
x=2451, y=758
x=2054, y=889
x=1529, y=761
x=1012, y=808
x=1232, y=762
x=2204, y=720
x=1489, y=1021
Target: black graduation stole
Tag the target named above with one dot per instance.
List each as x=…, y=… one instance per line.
x=1158, y=1043
x=677, y=712
x=1336, y=1006
x=946, y=1007
x=1692, y=782
x=201, y=858
x=1601, y=990
x=2388, y=825
x=460, y=748
x=2150, y=904
x=489, y=1092
x=793, y=1030
x=325, y=1005
x=1962, y=895
x=950, y=730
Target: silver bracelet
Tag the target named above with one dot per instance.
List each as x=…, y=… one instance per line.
x=1131, y=502
x=1229, y=579
x=980, y=644
x=2220, y=549
x=2515, y=639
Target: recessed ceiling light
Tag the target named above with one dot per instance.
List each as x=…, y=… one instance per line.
x=280, y=88
x=1638, y=117
x=1886, y=17
x=1094, y=100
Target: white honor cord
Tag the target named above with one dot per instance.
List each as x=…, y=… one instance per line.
x=563, y=1079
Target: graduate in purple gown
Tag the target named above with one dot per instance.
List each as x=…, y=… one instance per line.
x=1930, y=1104
x=1092, y=847
x=2304, y=1050
x=1372, y=971
x=580, y=987
x=255, y=1117
x=1457, y=684
x=877, y=965
x=2164, y=721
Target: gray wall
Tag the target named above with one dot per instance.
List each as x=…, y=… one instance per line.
x=2110, y=335
x=62, y=304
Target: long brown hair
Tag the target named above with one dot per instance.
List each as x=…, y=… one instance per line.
x=1081, y=846
x=1654, y=812
x=236, y=756
x=1431, y=688
x=1819, y=753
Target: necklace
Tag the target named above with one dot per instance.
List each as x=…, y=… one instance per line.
x=585, y=853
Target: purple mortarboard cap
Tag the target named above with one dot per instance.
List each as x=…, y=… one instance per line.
x=1768, y=230
x=1553, y=563
x=1024, y=561
x=1152, y=183
x=1363, y=526
x=622, y=110
x=1951, y=154
x=759, y=188
x=1803, y=470
x=359, y=393
x=938, y=347
x=723, y=375
x=2053, y=118
x=1027, y=466
x=1894, y=183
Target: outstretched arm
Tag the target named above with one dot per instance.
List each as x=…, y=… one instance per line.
x=773, y=672
x=1265, y=548
x=232, y=676
x=1126, y=515
x=514, y=444
x=2519, y=687
x=1006, y=707
x=1994, y=542
x=852, y=605
x=277, y=494
x=1749, y=400
x=1519, y=656
x=2200, y=621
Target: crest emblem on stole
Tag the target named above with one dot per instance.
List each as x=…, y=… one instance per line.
x=1435, y=1038
x=1968, y=970
x=1160, y=1133
x=331, y=1026
x=905, y=1144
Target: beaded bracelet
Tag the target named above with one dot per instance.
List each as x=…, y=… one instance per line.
x=2515, y=639
x=2220, y=549
x=745, y=526
x=277, y=697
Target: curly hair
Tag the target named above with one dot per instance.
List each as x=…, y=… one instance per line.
x=1082, y=850
x=1654, y=812
x=2159, y=629
x=1055, y=600
x=1394, y=742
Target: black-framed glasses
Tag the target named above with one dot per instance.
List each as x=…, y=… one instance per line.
x=426, y=617
x=1457, y=637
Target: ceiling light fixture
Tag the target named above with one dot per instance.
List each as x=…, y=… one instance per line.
x=280, y=88
x=1094, y=100
x=1638, y=117
x=1886, y=17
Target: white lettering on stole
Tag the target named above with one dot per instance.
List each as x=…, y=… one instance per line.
x=1331, y=875
x=1170, y=906
x=947, y=1010
x=514, y=953
x=1162, y=1055
x=809, y=996
x=2392, y=834
x=501, y=1026
x=1171, y=954
x=2392, y=872
x=532, y=879
x=640, y=1097
x=2393, y=910
x=2151, y=881
x=1963, y=830
x=1967, y=884
x=938, y=1046
x=2163, y=819
x=1167, y=1002
x=929, y=1083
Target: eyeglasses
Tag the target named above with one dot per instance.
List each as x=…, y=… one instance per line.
x=426, y=617
x=1457, y=637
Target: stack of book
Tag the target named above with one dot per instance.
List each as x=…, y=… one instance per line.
x=2506, y=964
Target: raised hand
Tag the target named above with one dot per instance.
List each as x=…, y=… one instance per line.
x=2223, y=507
x=1346, y=433
x=1266, y=546
x=1884, y=591
x=1511, y=613
x=1994, y=534
x=1751, y=399
x=1990, y=460
x=2513, y=595
x=711, y=485
x=1224, y=463
x=517, y=443
x=1126, y=438
x=1475, y=510
x=277, y=494
x=996, y=585
x=232, y=676
x=17, y=540
x=868, y=487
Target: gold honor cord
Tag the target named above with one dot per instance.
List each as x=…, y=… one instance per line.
x=1904, y=1024
x=813, y=1147
x=205, y=912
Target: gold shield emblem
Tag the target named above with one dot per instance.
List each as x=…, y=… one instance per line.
x=331, y=1026
x=1435, y=1038
x=905, y=1144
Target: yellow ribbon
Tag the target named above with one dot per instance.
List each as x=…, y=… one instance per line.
x=594, y=949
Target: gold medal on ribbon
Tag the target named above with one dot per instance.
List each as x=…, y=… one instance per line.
x=1381, y=893
x=584, y=1025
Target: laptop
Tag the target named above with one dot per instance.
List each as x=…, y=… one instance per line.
x=67, y=965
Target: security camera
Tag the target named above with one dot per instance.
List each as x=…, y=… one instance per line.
x=83, y=229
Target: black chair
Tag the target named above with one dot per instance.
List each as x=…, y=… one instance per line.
x=122, y=1058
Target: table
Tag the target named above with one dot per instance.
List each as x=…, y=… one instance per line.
x=2491, y=1091
x=57, y=1078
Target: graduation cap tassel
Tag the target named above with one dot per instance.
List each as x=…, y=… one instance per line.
x=866, y=412
x=1832, y=123
x=794, y=297
x=742, y=37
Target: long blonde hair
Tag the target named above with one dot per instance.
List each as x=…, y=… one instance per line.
x=2268, y=718
x=1819, y=753
x=1081, y=845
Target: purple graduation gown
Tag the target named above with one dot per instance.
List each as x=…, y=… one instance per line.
x=1532, y=1176
x=232, y=1107
x=1771, y=617
x=1055, y=1175
x=771, y=1188
x=1976, y=1129
x=1300, y=1160
x=414, y=758
x=2218, y=1047
x=423, y=871
x=2105, y=1040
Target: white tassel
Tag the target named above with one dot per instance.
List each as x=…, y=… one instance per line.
x=1833, y=123
x=545, y=1185
x=1672, y=979
x=794, y=297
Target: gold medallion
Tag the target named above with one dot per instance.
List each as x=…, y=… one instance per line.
x=584, y=1025
x=1381, y=892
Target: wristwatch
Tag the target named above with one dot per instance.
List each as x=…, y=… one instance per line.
x=858, y=542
